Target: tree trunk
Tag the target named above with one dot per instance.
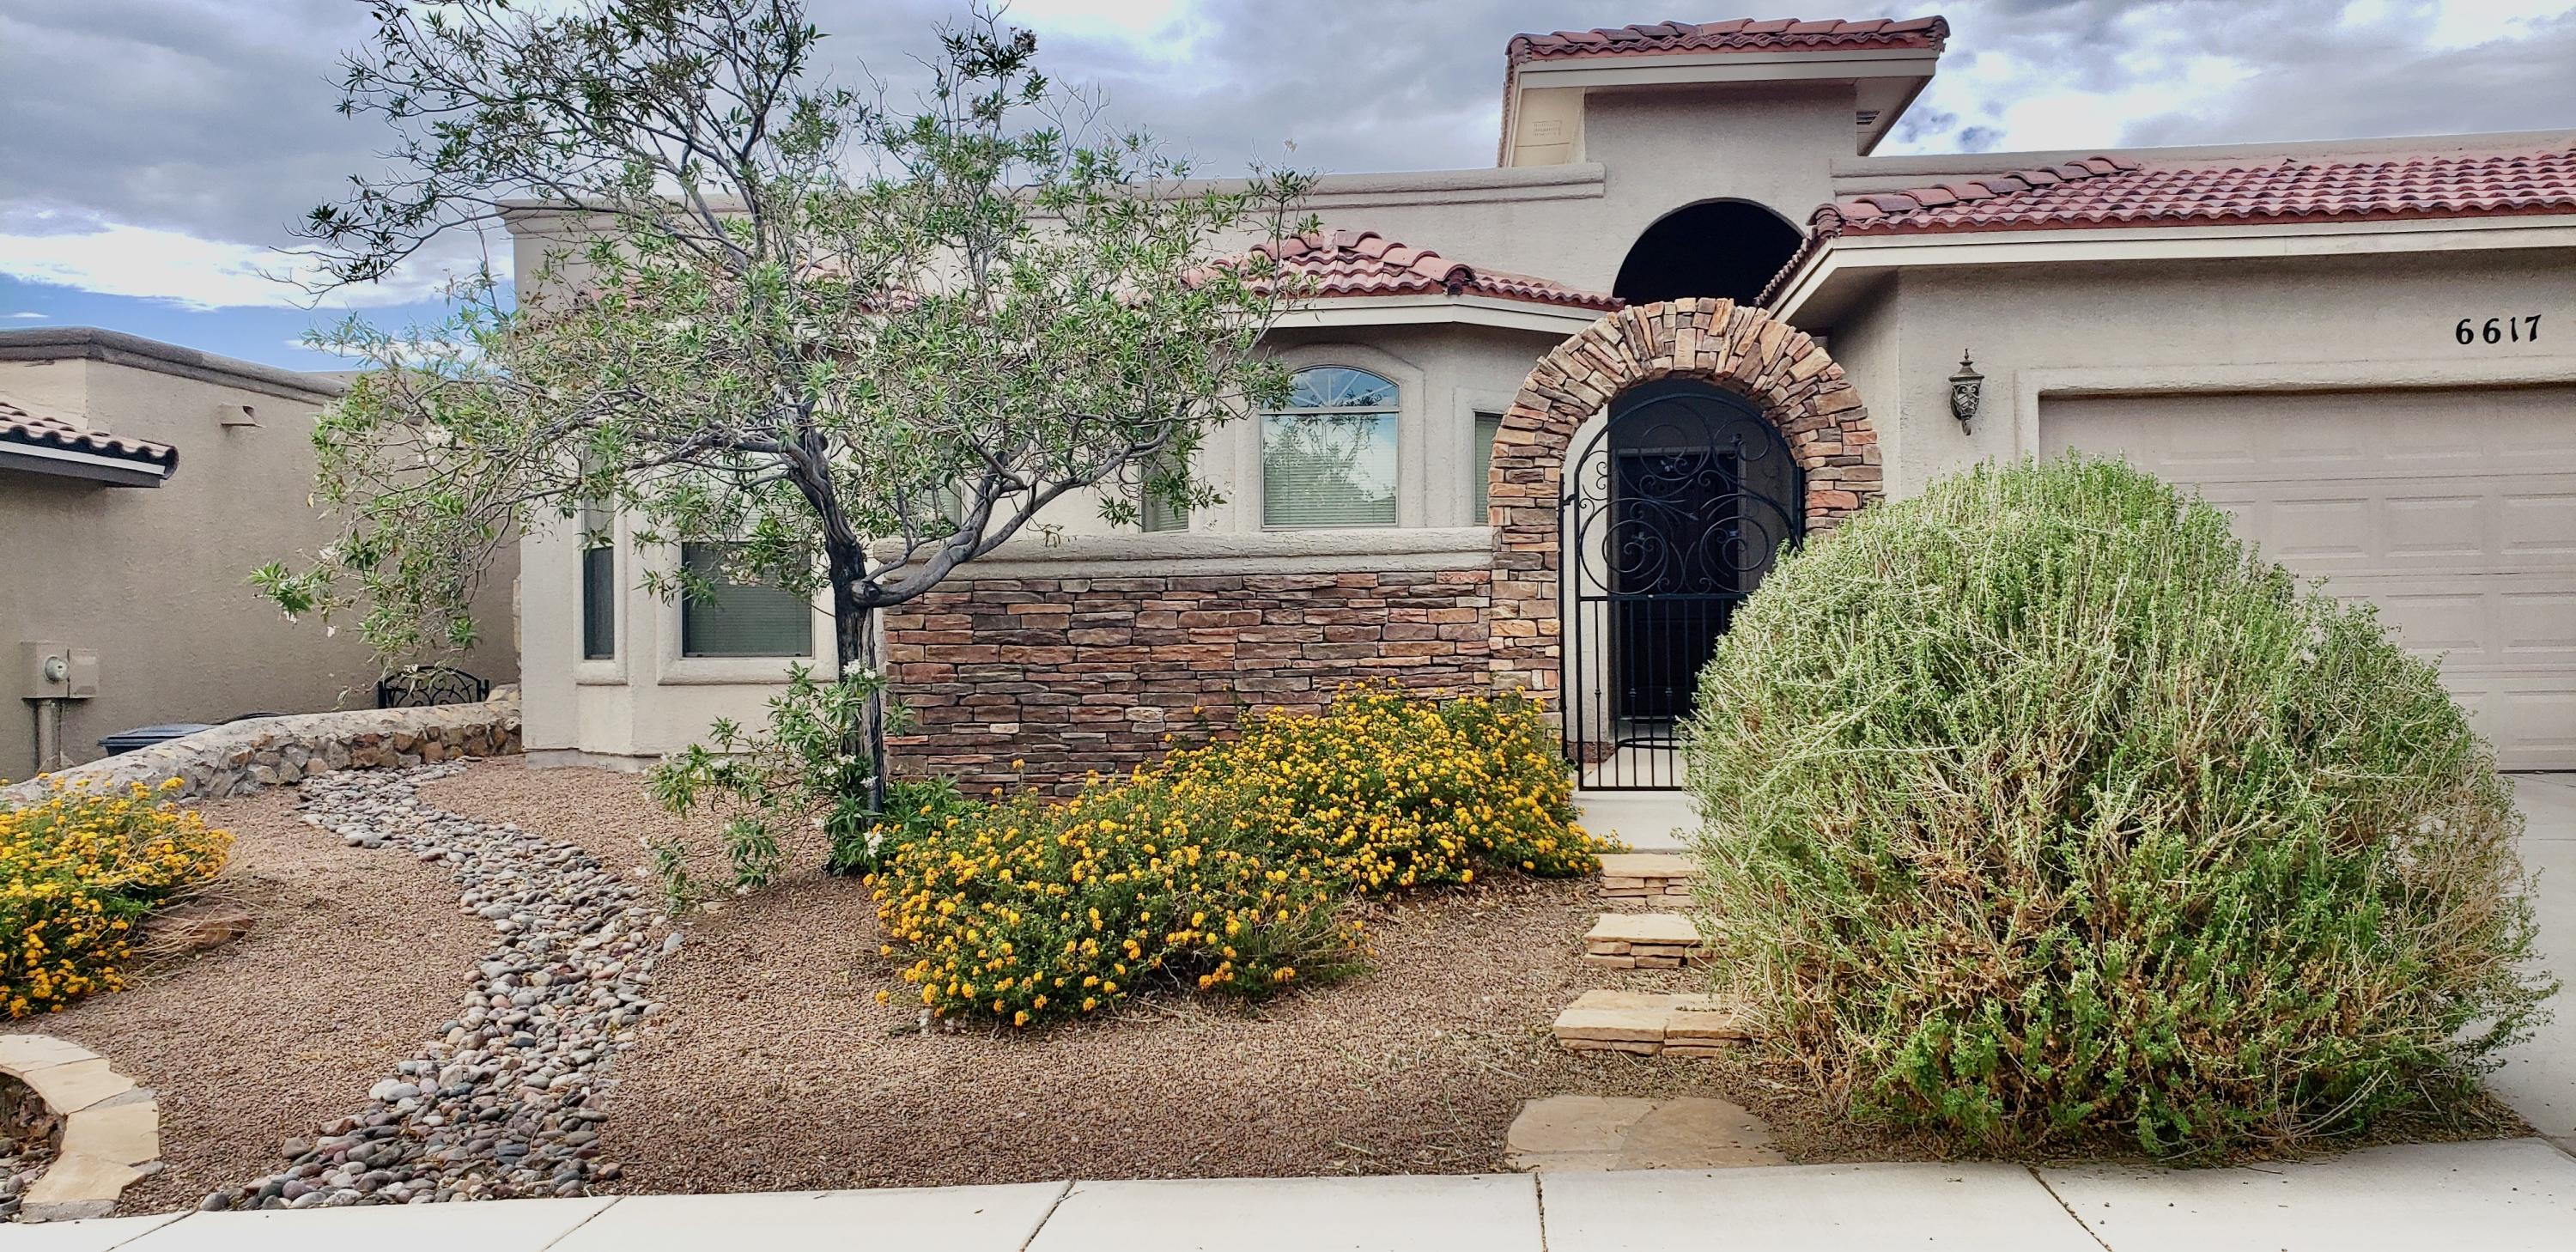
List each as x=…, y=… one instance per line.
x=855, y=647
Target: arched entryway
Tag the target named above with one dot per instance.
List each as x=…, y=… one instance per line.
x=1710, y=365
x=1715, y=249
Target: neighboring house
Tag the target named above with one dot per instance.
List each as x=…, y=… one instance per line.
x=2366, y=350
x=140, y=483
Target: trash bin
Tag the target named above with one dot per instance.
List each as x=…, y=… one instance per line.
x=147, y=736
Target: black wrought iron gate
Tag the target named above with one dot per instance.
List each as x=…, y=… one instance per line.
x=1674, y=510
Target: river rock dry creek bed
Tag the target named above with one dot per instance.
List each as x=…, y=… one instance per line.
x=507, y=1098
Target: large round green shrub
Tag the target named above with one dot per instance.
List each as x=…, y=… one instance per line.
x=2039, y=803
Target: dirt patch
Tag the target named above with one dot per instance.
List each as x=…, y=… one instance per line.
x=773, y=1067
x=353, y=957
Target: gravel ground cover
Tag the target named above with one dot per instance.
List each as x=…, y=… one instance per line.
x=503, y=1099
x=355, y=956
x=749, y=1052
x=773, y=1067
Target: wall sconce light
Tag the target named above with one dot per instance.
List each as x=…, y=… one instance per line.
x=1964, y=388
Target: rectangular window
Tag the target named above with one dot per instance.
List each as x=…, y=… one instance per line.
x=1327, y=469
x=1159, y=515
x=598, y=582
x=737, y=618
x=1155, y=514
x=598, y=603
x=1487, y=426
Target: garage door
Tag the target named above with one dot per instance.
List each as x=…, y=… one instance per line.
x=2455, y=512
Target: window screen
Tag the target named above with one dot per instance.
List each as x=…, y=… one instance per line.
x=739, y=619
x=1329, y=457
x=1487, y=426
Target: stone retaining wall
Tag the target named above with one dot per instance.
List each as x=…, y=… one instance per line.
x=279, y=751
x=1104, y=656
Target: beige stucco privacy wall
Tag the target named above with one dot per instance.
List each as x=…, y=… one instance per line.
x=155, y=580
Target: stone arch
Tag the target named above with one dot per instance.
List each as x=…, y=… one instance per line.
x=1778, y=367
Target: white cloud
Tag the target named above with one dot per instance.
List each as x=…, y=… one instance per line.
x=89, y=253
x=2469, y=23
x=31, y=316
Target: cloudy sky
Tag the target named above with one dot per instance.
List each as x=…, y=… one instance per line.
x=152, y=151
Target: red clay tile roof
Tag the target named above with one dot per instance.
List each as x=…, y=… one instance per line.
x=2114, y=191
x=1740, y=35
x=1347, y=263
x=20, y=426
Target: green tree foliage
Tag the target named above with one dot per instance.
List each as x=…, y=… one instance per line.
x=864, y=343
x=2039, y=804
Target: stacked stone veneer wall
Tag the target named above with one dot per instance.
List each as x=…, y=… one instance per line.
x=1106, y=651
x=280, y=751
x=1043, y=663
x=1781, y=369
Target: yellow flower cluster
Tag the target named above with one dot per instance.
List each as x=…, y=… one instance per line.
x=1221, y=869
x=1386, y=791
x=78, y=871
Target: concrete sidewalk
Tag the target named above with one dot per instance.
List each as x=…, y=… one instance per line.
x=2496, y=1195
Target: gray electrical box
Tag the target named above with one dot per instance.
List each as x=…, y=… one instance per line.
x=56, y=671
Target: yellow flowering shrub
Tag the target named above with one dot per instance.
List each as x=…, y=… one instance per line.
x=1386, y=791
x=78, y=871
x=1221, y=869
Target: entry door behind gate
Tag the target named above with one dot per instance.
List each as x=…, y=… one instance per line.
x=1675, y=510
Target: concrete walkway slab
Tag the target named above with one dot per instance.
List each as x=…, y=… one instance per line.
x=486, y=1226
x=1463, y=1213
x=1809, y=1208
x=2538, y=1079
x=97, y=1234
x=892, y=1219
x=1649, y=821
x=2492, y=1196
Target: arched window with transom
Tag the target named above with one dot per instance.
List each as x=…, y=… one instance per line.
x=1328, y=457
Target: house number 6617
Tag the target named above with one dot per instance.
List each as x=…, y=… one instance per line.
x=2523, y=329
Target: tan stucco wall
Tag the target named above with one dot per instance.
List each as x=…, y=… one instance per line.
x=155, y=580
x=1656, y=150
x=648, y=699
x=2175, y=325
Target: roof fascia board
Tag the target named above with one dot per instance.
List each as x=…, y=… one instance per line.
x=1641, y=70
x=66, y=463
x=1848, y=259
x=1438, y=310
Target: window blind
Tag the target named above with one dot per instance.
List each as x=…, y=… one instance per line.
x=1159, y=515
x=739, y=619
x=1328, y=469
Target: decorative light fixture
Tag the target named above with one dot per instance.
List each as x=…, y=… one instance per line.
x=1964, y=387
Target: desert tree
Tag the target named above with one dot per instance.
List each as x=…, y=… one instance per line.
x=860, y=343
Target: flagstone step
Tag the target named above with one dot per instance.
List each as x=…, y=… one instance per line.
x=1640, y=941
x=1649, y=1023
x=1650, y=876
x=1581, y=1132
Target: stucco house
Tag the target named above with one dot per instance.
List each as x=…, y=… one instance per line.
x=140, y=483
x=1572, y=403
